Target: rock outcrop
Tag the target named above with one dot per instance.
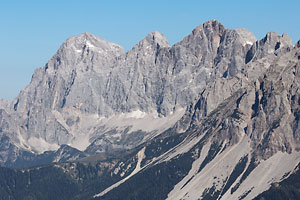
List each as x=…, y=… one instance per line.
x=93, y=96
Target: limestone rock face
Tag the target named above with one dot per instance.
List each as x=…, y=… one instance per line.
x=271, y=44
x=220, y=154
x=265, y=106
x=93, y=96
x=4, y=104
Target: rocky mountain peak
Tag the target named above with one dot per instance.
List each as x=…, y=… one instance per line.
x=89, y=80
x=157, y=38
x=233, y=99
x=210, y=31
x=271, y=45
x=88, y=40
x=85, y=47
x=147, y=50
x=208, y=27
x=152, y=41
x=276, y=40
x=246, y=36
x=201, y=45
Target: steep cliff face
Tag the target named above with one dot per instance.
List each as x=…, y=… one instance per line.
x=243, y=71
x=245, y=145
x=94, y=97
x=205, y=118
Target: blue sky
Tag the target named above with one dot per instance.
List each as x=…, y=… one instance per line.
x=32, y=31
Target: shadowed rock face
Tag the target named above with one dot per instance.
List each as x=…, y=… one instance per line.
x=298, y=44
x=90, y=81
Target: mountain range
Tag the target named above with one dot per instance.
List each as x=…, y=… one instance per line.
x=214, y=116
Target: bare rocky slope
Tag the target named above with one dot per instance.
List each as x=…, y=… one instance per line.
x=94, y=97
x=247, y=144
x=215, y=116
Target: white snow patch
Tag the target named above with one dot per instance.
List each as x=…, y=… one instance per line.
x=140, y=157
x=89, y=44
x=249, y=42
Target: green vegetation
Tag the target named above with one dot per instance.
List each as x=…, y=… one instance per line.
x=155, y=182
x=57, y=181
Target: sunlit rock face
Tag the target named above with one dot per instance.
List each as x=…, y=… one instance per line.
x=93, y=96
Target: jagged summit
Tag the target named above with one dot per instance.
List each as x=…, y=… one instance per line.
x=89, y=41
x=83, y=47
x=273, y=38
x=90, y=80
x=272, y=44
x=247, y=36
x=210, y=23
x=84, y=36
x=209, y=26
x=209, y=115
x=158, y=38
x=205, y=118
x=153, y=40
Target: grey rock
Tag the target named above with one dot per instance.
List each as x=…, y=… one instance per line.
x=271, y=44
x=90, y=81
x=4, y=104
x=247, y=36
x=252, y=134
x=267, y=108
x=298, y=44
